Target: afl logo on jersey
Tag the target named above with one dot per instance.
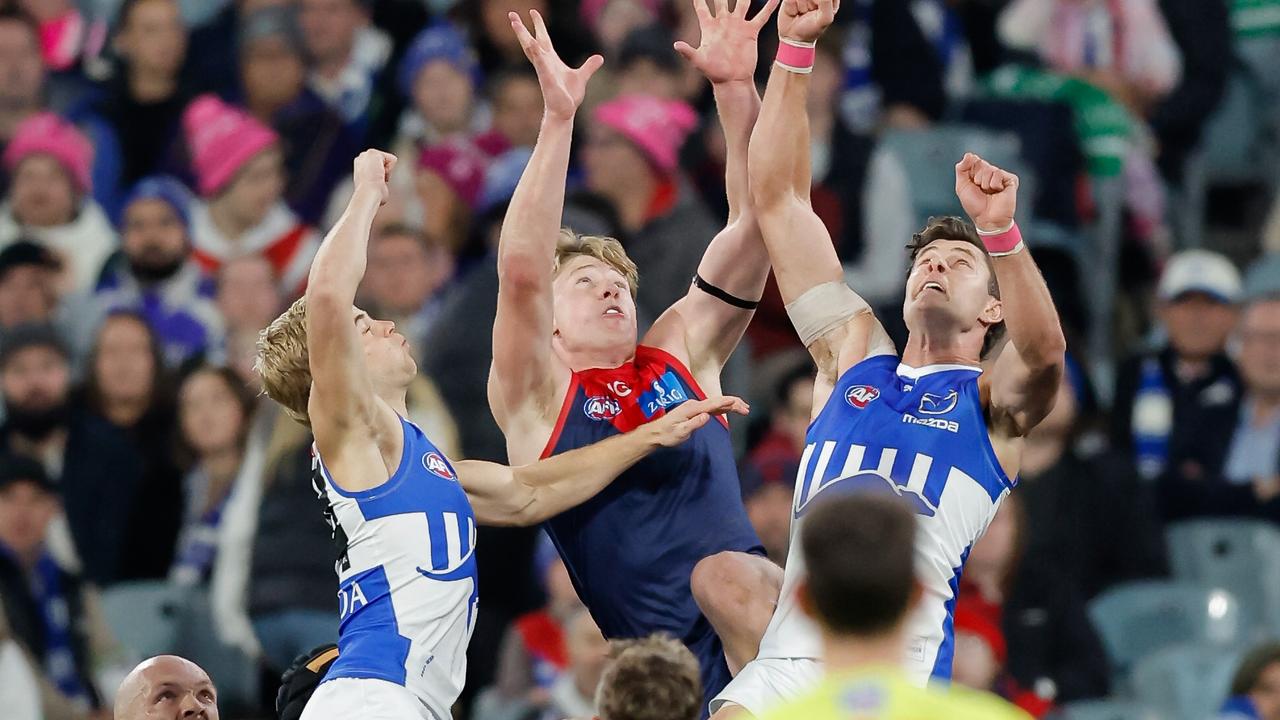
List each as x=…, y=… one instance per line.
x=860, y=396
x=437, y=465
x=601, y=407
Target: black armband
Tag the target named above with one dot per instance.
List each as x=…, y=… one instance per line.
x=723, y=296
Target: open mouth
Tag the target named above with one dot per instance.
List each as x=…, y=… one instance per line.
x=932, y=285
x=614, y=311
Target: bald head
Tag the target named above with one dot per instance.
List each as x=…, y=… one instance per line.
x=167, y=686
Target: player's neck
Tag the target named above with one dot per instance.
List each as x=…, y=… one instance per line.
x=858, y=652
x=939, y=348
x=579, y=360
x=397, y=400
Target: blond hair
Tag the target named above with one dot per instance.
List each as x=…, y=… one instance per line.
x=655, y=678
x=605, y=249
x=283, y=362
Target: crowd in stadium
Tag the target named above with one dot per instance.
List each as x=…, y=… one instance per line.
x=170, y=168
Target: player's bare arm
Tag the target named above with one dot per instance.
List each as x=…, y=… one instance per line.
x=357, y=432
x=837, y=326
x=526, y=375
x=529, y=494
x=1024, y=378
x=706, y=325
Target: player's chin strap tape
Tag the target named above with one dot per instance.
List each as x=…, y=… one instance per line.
x=723, y=296
x=823, y=308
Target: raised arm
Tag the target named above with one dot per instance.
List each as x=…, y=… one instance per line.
x=529, y=494
x=835, y=324
x=1024, y=380
x=343, y=407
x=522, y=357
x=711, y=319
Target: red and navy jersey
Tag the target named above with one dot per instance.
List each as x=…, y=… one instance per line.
x=631, y=549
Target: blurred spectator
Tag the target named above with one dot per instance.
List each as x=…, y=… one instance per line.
x=768, y=504
x=633, y=144
x=516, y=101
x=1202, y=31
x=1088, y=516
x=143, y=101
x=155, y=275
x=52, y=613
x=348, y=56
x=290, y=598
x=450, y=179
x=127, y=386
x=239, y=169
x=777, y=454
x=534, y=654
x=49, y=162
x=406, y=274
x=647, y=64
x=1053, y=650
x=612, y=21
x=491, y=29
x=641, y=672
x=214, y=408
x=573, y=695
x=214, y=45
x=19, y=684
x=1164, y=400
x=318, y=147
x=1255, y=689
x=21, y=68
x=1123, y=47
x=67, y=37
x=28, y=285
x=440, y=77
x=249, y=298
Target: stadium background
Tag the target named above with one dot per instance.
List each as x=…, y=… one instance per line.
x=1137, y=563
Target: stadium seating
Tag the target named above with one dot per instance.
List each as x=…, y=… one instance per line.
x=147, y=617
x=1185, y=682
x=1106, y=710
x=1242, y=556
x=1136, y=619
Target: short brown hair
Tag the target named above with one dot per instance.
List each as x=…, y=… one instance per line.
x=859, y=549
x=605, y=249
x=1254, y=663
x=954, y=228
x=283, y=362
x=655, y=678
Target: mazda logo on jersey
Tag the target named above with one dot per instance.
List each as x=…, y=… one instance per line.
x=932, y=404
x=436, y=464
x=601, y=407
x=860, y=396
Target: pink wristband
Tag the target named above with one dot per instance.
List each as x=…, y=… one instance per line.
x=795, y=56
x=1002, y=242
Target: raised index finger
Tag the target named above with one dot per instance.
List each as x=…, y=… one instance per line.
x=522, y=32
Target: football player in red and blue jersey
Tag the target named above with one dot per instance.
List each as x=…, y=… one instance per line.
x=650, y=553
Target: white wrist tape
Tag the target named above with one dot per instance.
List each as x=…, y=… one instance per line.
x=822, y=308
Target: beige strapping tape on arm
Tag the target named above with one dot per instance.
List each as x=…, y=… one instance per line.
x=822, y=308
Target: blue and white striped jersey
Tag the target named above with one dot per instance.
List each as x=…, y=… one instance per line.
x=924, y=431
x=407, y=583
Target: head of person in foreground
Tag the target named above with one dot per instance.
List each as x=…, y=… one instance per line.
x=167, y=686
x=655, y=678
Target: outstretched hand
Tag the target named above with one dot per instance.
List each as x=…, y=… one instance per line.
x=988, y=194
x=563, y=87
x=679, y=422
x=372, y=169
x=726, y=51
x=806, y=20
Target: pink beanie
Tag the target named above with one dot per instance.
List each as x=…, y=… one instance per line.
x=221, y=139
x=47, y=134
x=460, y=164
x=657, y=126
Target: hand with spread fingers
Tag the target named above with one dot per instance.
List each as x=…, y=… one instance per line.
x=988, y=194
x=726, y=51
x=563, y=87
x=679, y=422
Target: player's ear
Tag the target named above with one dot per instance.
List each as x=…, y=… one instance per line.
x=993, y=312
